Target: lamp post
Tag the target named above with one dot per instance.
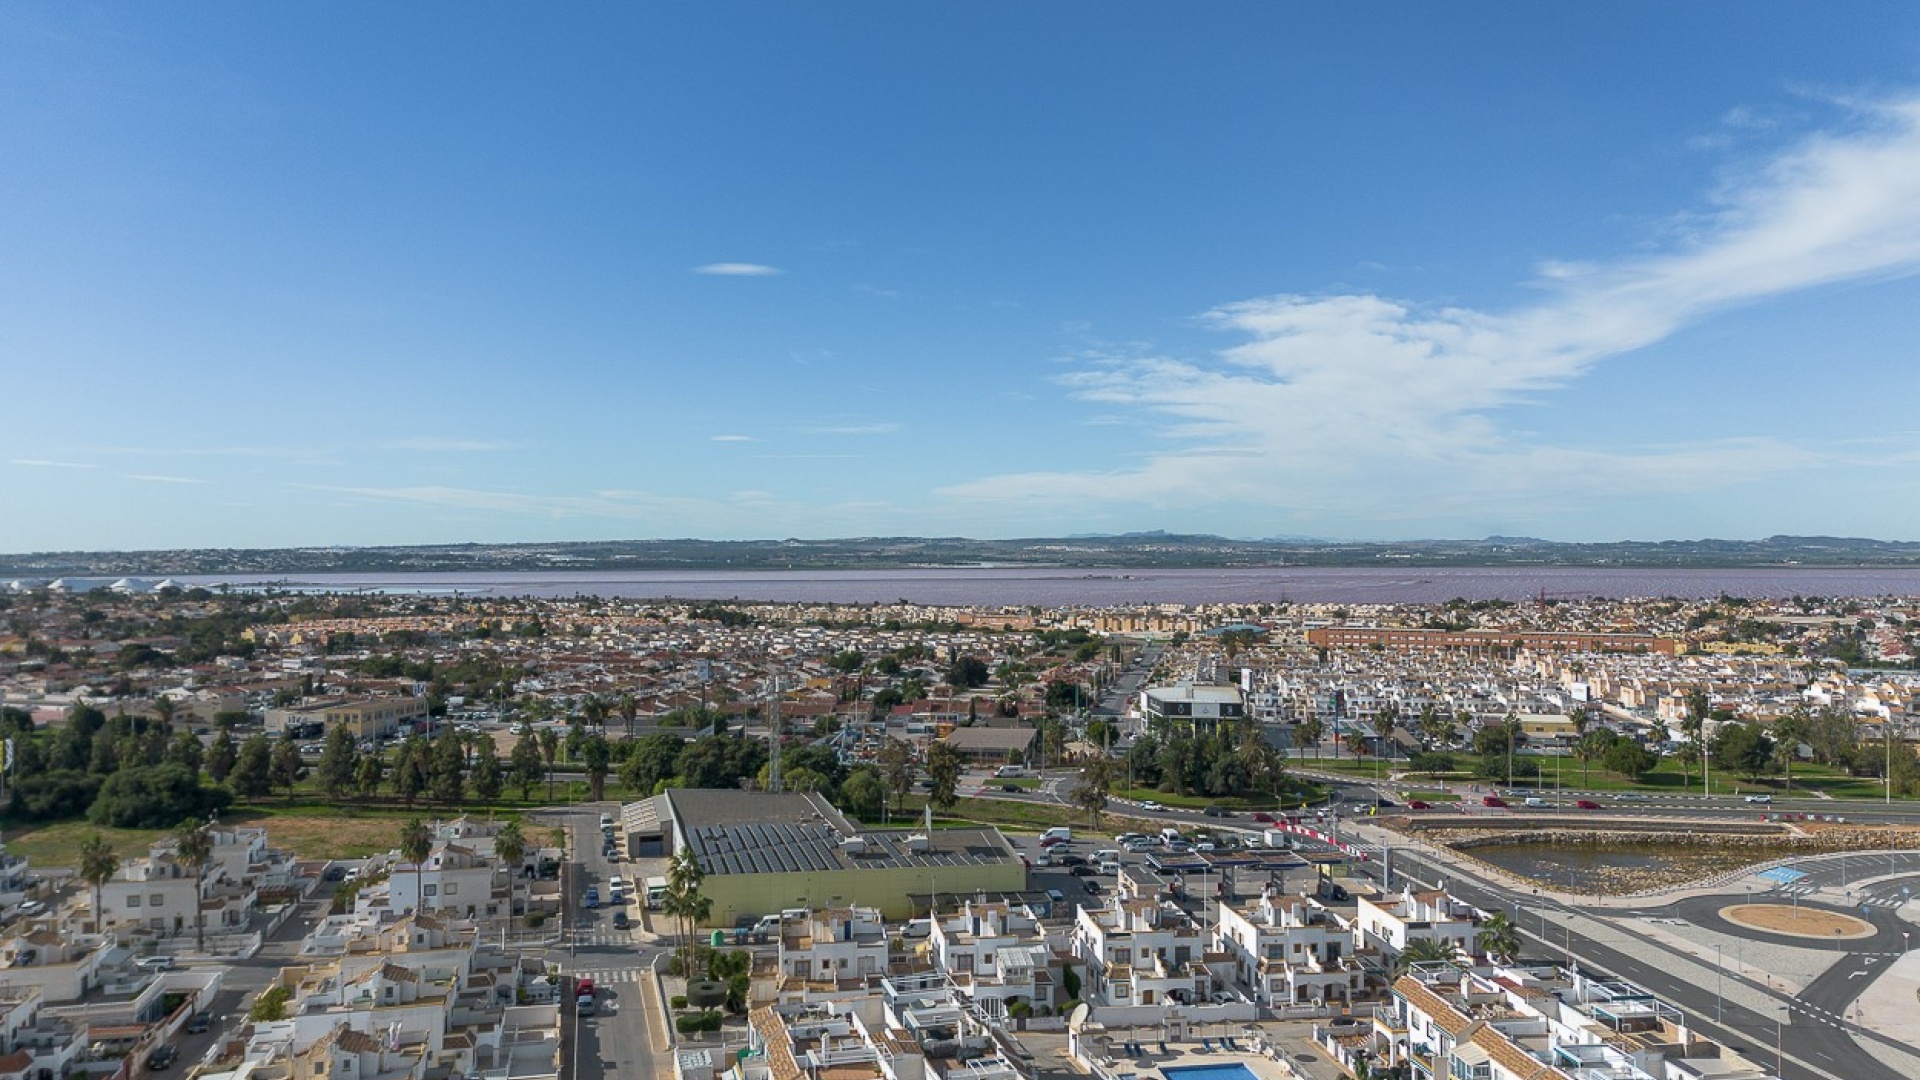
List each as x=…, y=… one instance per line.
x=1718, y=970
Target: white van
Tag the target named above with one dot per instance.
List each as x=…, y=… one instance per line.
x=1009, y=770
x=1169, y=834
x=656, y=891
x=1106, y=855
x=1058, y=832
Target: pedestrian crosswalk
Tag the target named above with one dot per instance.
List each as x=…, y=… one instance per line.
x=609, y=976
x=605, y=936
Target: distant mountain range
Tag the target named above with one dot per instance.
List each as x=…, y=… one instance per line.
x=1131, y=550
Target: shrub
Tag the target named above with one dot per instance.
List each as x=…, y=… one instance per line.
x=678, y=1001
x=693, y=1023
x=536, y=919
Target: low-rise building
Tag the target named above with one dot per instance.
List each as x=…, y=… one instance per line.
x=997, y=954
x=1290, y=950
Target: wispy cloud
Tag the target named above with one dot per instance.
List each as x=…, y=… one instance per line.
x=734, y=438
x=151, y=478
x=428, y=444
x=1372, y=404
x=43, y=463
x=882, y=428
x=738, y=269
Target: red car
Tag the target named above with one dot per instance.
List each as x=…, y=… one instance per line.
x=583, y=987
x=1265, y=819
x=1416, y=804
x=1493, y=800
x=1587, y=804
x=1051, y=841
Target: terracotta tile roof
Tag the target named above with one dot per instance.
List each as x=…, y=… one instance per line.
x=1513, y=1059
x=16, y=1062
x=779, y=1044
x=1444, y=1014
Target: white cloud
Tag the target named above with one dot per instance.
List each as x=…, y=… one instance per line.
x=1379, y=406
x=734, y=438
x=432, y=445
x=738, y=269
x=150, y=478
x=43, y=463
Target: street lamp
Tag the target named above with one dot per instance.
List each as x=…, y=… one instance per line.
x=1718, y=970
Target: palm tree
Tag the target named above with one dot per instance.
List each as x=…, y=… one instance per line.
x=1423, y=951
x=684, y=903
x=416, y=843
x=1311, y=731
x=193, y=845
x=629, y=709
x=598, y=758
x=1498, y=937
x=511, y=847
x=549, y=742
x=98, y=863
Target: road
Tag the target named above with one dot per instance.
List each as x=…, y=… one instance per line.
x=618, y=1039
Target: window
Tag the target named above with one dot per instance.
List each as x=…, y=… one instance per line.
x=157, y=900
x=133, y=900
x=453, y=887
x=432, y=890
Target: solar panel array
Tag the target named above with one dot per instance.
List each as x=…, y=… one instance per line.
x=798, y=847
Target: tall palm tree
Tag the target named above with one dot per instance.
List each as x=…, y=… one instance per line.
x=416, y=843
x=629, y=709
x=684, y=903
x=1498, y=937
x=98, y=864
x=549, y=743
x=193, y=845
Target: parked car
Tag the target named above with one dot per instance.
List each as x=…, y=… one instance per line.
x=593, y=897
x=154, y=963
x=620, y=920
x=584, y=985
x=583, y=1004
x=1092, y=886
x=1493, y=800
x=1083, y=870
x=1071, y=859
x=1586, y=804
x=336, y=872
x=162, y=1056
x=198, y=1023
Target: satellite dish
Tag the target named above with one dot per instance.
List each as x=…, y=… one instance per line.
x=1077, y=1019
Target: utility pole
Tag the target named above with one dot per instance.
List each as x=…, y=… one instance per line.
x=773, y=735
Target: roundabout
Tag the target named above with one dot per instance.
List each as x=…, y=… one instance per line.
x=1820, y=924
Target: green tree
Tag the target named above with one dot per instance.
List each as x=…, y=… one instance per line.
x=221, y=756
x=488, y=778
x=1629, y=759
x=597, y=757
x=446, y=770
x=1744, y=748
x=416, y=843
x=863, y=794
x=98, y=863
x=651, y=759
x=1309, y=732
x=252, y=775
x=339, y=763
x=410, y=771
x=286, y=768
x=186, y=751
x=524, y=766
x=193, y=846
x=967, y=673
x=510, y=844
x=1423, y=951
x=896, y=769
x=1498, y=938
x=683, y=901
x=1090, y=792
x=368, y=776
x=943, y=769
x=1593, y=746
x=1788, y=732
x=270, y=1005
x=549, y=743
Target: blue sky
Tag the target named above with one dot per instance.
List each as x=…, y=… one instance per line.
x=282, y=275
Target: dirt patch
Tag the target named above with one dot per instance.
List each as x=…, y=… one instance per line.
x=1806, y=922
x=332, y=836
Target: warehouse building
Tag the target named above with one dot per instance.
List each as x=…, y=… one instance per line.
x=765, y=852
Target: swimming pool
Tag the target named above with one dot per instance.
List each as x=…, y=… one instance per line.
x=1208, y=1072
